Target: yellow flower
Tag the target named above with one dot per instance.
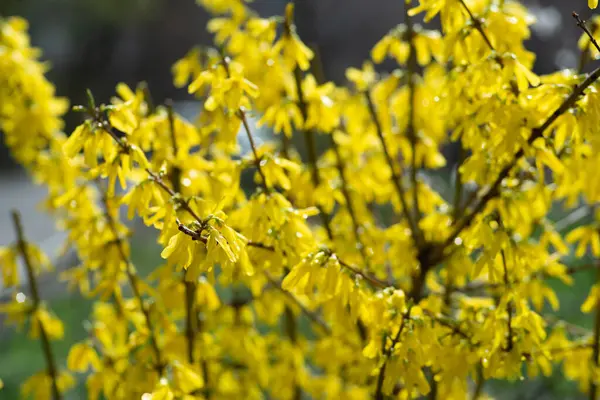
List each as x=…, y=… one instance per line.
x=81, y=357
x=390, y=44
x=362, y=79
x=189, y=67
x=206, y=296
x=52, y=325
x=229, y=89
x=185, y=378
x=585, y=235
x=294, y=52
x=8, y=264
x=281, y=117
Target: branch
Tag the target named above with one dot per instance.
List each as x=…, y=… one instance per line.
x=182, y=203
x=189, y=287
x=458, y=184
x=311, y=147
x=582, y=25
x=133, y=280
x=479, y=382
x=387, y=355
x=35, y=294
x=494, y=189
x=242, y=116
x=479, y=26
x=372, y=280
x=412, y=136
x=450, y=324
x=477, y=286
x=311, y=315
x=509, y=308
x=395, y=177
x=346, y=192
x=596, y=344
x=573, y=329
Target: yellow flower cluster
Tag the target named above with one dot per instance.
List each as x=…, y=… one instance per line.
x=339, y=275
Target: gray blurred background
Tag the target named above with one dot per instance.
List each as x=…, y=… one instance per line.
x=97, y=43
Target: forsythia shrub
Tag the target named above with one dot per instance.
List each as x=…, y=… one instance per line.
x=299, y=288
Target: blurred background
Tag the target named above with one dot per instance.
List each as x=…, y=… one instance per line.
x=96, y=44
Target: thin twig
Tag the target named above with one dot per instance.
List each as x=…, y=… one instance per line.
x=596, y=344
x=35, y=294
x=395, y=177
x=411, y=71
x=582, y=25
x=458, y=184
x=286, y=146
x=241, y=114
x=372, y=280
x=182, y=203
x=509, y=307
x=291, y=329
x=311, y=148
x=479, y=382
x=311, y=315
x=189, y=287
x=257, y=160
x=133, y=280
x=349, y=205
x=387, y=354
x=479, y=26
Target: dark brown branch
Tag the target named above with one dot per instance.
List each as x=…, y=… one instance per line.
x=311, y=148
x=311, y=315
x=509, y=307
x=257, y=160
x=241, y=114
x=182, y=203
x=189, y=287
x=372, y=280
x=479, y=382
x=387, y=354
x=448, y=323
x=596, y=344
x=582, y=25
x=349, y=205
x=479, y=26
x=35, y=295
x=133, y=280
x=411, y=72
x=395, y=177
x=458, y=185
